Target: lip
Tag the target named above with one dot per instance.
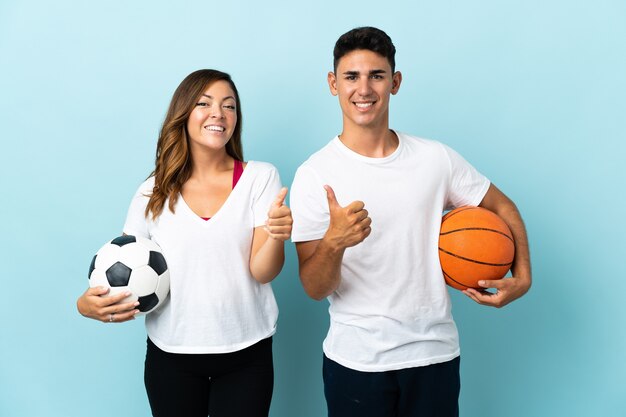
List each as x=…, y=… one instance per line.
x=364, y=106
x=208, y=128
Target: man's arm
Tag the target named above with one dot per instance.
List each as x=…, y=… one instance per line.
x=320, y=260
x=508, y=289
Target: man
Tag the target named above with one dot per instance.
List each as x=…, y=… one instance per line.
x=367, y=210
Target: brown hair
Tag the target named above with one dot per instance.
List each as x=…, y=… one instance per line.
x=173, y=160
x=367, y=38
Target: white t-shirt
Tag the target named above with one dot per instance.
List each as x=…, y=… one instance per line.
x=214, y=305
x=391, y=309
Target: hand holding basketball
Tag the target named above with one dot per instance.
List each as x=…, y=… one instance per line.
x=476, y=249
x=507, y=290
x=349, y=225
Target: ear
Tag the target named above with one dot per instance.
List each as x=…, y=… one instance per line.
x=396, y=81
x=332, y=83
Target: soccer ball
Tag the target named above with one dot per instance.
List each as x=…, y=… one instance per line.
x=135, y=264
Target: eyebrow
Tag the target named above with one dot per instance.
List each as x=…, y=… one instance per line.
x=372, y=72
x=211, y=97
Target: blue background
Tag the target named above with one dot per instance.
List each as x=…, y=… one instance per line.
x=531, y=92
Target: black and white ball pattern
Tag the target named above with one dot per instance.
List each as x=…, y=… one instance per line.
x=135, y=264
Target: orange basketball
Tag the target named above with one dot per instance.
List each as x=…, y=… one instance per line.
x=474, y=244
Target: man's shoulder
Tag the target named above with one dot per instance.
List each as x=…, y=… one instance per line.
x=418, y=141
x=322, y=156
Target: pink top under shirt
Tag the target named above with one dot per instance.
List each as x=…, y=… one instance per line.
x=237, y=171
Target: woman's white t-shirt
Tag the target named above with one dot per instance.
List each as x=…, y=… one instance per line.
x=214, y=304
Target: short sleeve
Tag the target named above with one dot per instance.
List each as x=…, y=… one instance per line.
x=136, y=222
x=467, y=186
x=266, y=189
x=309, y=206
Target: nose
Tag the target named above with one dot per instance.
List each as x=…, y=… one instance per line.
x=363, y=87
x=217, y=112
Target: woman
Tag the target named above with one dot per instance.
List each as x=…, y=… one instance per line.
x=221, y=224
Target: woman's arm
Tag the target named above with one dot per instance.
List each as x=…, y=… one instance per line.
x=268, y=249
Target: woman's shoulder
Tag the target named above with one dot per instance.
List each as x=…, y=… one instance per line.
x=260, y=174
x=261, y=166
x=146, y=187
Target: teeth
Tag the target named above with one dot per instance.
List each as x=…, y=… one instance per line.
x=215, y=128
x=363, y=105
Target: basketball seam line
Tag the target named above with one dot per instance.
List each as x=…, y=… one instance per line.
x=477, y=228
x=460, y=283
x=460, y=210
x=472, y=260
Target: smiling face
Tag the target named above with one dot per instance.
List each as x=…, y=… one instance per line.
x=363, y=83
x=214, y=117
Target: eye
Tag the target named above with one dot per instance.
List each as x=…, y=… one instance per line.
x=350, y=77
x=203, y=104
x=230, y=107
x=377, y=77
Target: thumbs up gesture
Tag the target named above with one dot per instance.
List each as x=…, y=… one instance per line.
x=279, y=221
x=349, y=225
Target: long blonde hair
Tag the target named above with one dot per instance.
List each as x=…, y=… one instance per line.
x=173, y=160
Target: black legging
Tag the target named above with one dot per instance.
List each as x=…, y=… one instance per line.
x=237, y=384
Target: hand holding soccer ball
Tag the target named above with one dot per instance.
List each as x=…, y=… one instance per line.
x=97, y=305
x=127, y=277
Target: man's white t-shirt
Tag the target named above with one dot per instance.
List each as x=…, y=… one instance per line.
x=391, y=309
x=214, y=304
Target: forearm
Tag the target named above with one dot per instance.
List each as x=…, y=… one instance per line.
x=321, y=272
x=267, y=262
x=521, y=268
x=521, y=263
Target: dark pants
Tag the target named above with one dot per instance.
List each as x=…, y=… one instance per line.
x=427, y=391
x=237, y=384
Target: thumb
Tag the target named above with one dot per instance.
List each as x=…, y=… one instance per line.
x=280, y=198
x=100, y=290
x=496, y=283
x=330, y=195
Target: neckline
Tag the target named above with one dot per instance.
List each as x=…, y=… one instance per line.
x=182, y=203
x=367, y=159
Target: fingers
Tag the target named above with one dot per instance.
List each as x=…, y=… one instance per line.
x=355, y=206
x=496, y=283
x=366, y=223
x=113, y=299
x=96, y=297
x=121, y=314
x=349, y=225
x=332, y=199
x=279, y=228
x=97, y=305
x=97, y=291
x=361, y=215
x=280, y=198
x=279, y=212
x=279, y=221
x=481, y=297
x=497, y=299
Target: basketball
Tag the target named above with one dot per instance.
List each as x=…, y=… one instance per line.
x=474, y=244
